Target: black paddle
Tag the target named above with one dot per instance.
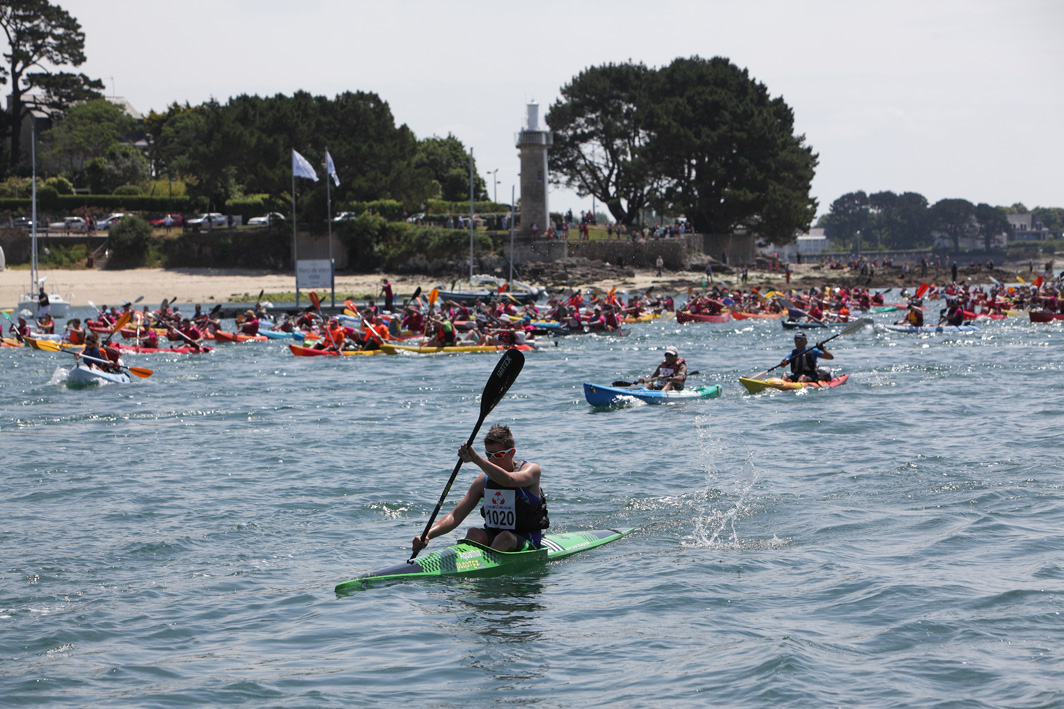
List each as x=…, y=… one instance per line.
x=652, y=379
x=503, y=376
x=848, y=330
x=417, y=292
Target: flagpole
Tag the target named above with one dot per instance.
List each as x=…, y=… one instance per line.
x=511, y=232
x=295, y=249
x=470, y=218
x=328, y=206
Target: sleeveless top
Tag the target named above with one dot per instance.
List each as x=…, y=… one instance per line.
x=515, y=509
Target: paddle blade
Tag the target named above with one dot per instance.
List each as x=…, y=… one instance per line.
x=502, y=377
x=315, y=301
x=122, y=322
x=433, y=295
x=46, y=345
x=142, y=372
x=855, y=326
x=921, y=290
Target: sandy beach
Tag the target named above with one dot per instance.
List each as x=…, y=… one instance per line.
x=213, y=286
x=79, y=287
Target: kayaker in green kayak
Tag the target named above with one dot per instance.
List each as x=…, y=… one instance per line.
x=513, y=504
x=803, y=361
x=670, y=374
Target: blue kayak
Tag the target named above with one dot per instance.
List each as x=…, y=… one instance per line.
x=281, y=334
x=601, y=395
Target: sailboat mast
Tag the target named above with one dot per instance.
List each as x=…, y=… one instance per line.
x=33, y=208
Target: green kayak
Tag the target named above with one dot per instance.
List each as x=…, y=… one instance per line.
x=468, y=558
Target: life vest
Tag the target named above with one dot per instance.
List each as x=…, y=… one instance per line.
x=250, y=327
x=803, y=363
x=76, y=338
x=515, y=509
x=335, y=336
x=664, y=370
x=445, y=333
x=374, y=335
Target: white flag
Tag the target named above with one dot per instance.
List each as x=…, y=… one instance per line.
x=302, y=168
x=330, y=168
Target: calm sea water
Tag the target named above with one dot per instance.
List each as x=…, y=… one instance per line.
x=895, y=542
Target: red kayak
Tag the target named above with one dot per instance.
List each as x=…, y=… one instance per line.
x=1044, y=316
x=683, y=316
x=137, y=349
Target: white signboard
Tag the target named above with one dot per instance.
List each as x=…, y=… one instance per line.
x=314, y=273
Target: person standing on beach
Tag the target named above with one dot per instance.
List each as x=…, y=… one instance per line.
x=389, y=296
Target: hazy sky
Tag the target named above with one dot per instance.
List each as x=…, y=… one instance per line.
x=948, y=98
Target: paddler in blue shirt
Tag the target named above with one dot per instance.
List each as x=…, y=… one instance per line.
x=513, y=504
x=803, y=362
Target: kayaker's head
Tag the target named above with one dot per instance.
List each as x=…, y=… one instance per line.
x=498, y=440
x=92, y=339
x=800, y=339
x=671, y=352
x=248, y=314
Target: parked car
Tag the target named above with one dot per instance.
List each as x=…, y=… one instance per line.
x=416, y=218
x=110, y=220
x=25, y=222
x=211, y=219
x=71, y=224
x=345, y=217
x=266, y=219
x=175, y=220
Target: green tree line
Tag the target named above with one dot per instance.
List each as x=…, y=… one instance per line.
x=887, y=220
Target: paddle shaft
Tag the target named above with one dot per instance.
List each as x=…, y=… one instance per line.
x=502, y=377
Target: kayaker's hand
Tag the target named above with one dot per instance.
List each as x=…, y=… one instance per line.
x=784, y=363
x=820, y=346
x=466, y=453
x=418, y=544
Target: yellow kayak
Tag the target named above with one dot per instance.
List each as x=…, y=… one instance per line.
x=394, y=349
x=756, y=385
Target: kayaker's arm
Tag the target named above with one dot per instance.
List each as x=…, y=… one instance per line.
x=455, y=517
x=652, y=377
x=824, y=354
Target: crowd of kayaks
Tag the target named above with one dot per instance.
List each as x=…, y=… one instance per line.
x=502, y=323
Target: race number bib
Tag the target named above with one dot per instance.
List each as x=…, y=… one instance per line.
x=500, y=509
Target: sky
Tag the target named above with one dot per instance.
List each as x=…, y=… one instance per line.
x=947, y=98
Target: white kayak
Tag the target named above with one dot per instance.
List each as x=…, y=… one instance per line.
x=82, y=374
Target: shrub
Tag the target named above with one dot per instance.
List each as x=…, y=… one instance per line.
x=127, y=190
x=130, y=243
x=48, y=198
x=60, y=184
